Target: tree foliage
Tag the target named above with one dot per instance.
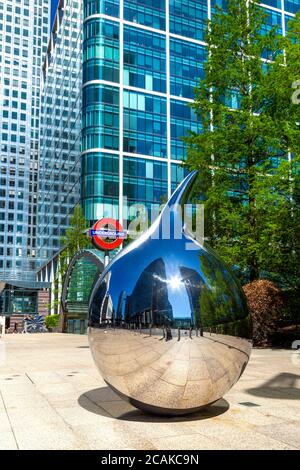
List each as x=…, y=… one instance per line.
x=52, y=321
x=249, y=148
x=75, y=238
x=265, y=302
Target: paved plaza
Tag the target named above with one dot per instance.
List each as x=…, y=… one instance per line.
x=52, y=397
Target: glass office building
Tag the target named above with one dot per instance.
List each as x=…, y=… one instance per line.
x=141, y=62
x=60, y=142
x=123, y=73
x=24, y=33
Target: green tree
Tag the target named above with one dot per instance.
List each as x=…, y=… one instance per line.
x=52, y=321
x=249, y=147
x=75, y=238
x=285, y=110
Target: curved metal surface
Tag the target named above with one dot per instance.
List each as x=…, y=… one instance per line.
x=168, y=325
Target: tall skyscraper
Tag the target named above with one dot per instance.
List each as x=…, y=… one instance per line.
x=141, y=62
x=138, y=78
x=24, y=33
x=60, y=143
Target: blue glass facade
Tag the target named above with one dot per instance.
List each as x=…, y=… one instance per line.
x=101, y=51
x=291, y=6
x=100, y=184
x=100, y=108
x=145, y=124
x=186, y=67
x=183, y=121
x=142, y=60
x=274, y=18
x=273, y=3
x=188, y=18
x=105, y=7
x=150, y=13
x=144, y=180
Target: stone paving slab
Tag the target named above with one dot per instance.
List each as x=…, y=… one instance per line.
x=52, y=397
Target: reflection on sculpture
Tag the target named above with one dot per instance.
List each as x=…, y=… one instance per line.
x=168, y=326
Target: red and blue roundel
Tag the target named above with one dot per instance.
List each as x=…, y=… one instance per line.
x=107, y=234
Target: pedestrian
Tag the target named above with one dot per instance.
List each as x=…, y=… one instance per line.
x=25, y=325
x=169, y=333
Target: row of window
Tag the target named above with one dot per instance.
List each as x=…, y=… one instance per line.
x=144, y=58
x=13, y=138
x=144, y=122
x=144, y=181
x=11, y=216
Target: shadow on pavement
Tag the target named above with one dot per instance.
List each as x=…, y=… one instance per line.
x=282, y=386
x=94, y=402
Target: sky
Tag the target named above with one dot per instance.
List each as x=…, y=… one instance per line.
x=53, y=9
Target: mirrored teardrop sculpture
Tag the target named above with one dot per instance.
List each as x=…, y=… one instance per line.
x=168, y=321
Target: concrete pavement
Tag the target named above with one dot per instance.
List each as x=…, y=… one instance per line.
x=52, y=397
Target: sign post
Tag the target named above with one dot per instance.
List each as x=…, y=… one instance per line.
x=2, y=325
x=107, y=234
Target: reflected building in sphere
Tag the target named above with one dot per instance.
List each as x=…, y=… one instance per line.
x=183, y=338
x=149, y=304
x=193, y=283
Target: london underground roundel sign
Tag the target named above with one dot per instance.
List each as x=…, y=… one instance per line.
x=107, y=234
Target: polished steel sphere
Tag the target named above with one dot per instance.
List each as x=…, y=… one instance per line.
x=169, y=326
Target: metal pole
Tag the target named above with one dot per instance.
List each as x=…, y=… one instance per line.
x=106, y=258
x=2, y=323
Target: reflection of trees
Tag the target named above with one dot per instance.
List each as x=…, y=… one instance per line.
x=102, y=310
x=221, y=303
x=121, y=305
x=98, y=300
x=193, y=283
